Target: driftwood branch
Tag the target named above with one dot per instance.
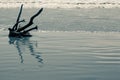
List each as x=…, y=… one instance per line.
x=15, y=27
x=16, y=31
x=31, y=21
x=18, y=18
x=24, y=32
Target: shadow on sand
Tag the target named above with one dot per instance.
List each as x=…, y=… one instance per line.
x=24, y=43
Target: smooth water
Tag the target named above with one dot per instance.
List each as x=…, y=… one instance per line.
x=80, y=44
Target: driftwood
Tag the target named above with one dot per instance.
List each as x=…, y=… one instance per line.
x=16, y=31
x=18, y=18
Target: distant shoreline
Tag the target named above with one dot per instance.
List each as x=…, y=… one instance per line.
x=58, y=5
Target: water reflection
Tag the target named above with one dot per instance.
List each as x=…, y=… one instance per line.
x=22, y=44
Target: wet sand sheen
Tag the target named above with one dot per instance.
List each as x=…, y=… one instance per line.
x=61, y=55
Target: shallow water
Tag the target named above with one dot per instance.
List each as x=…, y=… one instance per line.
x=57, y=52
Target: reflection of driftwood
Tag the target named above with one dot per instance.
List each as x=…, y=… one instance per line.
x=20, y=42
x=20, y=31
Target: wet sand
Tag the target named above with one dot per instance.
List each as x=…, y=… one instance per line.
x=78, y=52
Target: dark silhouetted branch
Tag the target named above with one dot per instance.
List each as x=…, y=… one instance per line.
x=31, y=21
x=30, y=30
x=15, y=27
x=18, y=18
x=16, y=31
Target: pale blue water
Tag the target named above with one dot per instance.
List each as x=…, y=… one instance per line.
x=80, y=44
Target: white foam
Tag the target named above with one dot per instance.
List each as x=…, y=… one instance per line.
x=60, y=3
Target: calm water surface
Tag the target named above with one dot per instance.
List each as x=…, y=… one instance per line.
x=81, y=44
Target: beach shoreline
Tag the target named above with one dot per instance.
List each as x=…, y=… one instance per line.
x=63, y=5
x=71, y=44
